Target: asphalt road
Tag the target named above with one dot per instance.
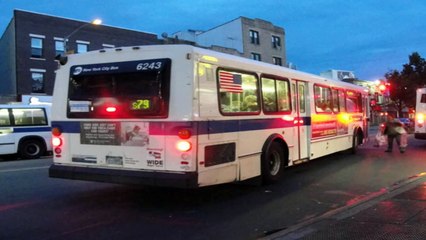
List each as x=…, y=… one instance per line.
x=33, y=206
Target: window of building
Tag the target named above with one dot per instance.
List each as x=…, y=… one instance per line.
x=37, y=76
x=256, y=56
x=254, y=37
x=276, y=42
x=277, y=61
x=59, y=47
x=82, y=47
x=36, y=47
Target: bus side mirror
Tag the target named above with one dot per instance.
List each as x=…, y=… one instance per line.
x=61, y=59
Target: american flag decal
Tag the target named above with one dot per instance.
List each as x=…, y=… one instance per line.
x=230, y=82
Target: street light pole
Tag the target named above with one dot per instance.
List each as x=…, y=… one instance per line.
x=94, y=22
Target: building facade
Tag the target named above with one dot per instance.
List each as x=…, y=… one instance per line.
x=251, y=38
x=31, y=41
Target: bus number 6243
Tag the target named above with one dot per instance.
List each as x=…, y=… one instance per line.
x=148, y=66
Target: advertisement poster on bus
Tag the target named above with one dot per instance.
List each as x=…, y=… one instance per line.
x=130, y=134
x=328, y=125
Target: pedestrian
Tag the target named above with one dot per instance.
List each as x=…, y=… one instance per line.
x=393, y=130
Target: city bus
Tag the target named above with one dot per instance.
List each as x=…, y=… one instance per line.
x=187, y=117
x=25, y=130
x=419, y=121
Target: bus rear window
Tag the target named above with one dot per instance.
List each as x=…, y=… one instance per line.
x=423, y=98
x=131, y=89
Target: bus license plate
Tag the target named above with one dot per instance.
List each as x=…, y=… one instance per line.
x=114, y=160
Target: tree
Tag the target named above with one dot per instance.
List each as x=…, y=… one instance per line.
x=403, y=84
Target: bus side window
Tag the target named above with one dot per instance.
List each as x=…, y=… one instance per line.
x=335, y=98
x=353, y=102
x=27, y=116
x=301, y=93
x=275, y=94
x=283, y=92
x=342, y=104
x=322, y=99
x=350, y=105
x=238, y=93
x=4, y=117
x=250, y=103
x=269, y=95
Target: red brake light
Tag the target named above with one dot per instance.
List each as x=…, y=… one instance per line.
x=111, y=109
x=56, y=131
x=184, y=134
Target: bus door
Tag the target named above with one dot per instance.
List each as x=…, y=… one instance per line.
x=302, y=114
x=366, y=115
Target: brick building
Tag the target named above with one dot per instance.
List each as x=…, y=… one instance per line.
x=251, y=38
x=31, y=41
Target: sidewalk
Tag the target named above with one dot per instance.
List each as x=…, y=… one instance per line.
x=397, y=212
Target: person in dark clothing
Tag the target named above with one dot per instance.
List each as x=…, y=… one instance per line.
x=392, y=131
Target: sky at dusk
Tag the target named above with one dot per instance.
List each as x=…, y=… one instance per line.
x=369, y=37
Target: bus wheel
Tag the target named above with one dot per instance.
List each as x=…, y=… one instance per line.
x=272, y=163
x=355, y=142
x=31, y=149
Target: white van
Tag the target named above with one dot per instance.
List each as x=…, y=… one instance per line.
x=25, y=130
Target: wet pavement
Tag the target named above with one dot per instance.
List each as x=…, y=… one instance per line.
x=396, y=212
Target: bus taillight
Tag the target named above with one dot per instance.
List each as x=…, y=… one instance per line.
x=111, y=109
x=184, y=134
x=56, y=141
x=56, y=131
x=183, y=146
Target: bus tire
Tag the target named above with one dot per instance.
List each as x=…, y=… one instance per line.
x=31, y=149
x=272, y=161
x=356, y=141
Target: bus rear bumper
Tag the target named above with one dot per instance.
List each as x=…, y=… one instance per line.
x=420, y=135
x=134, y=177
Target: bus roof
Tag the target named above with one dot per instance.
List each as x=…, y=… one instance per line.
x=214, y=57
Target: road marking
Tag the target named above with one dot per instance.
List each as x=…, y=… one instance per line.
x=23, y=169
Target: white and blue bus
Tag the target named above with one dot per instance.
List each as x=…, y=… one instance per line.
x=25, y=130
x=420, y=116
x=182, y=116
